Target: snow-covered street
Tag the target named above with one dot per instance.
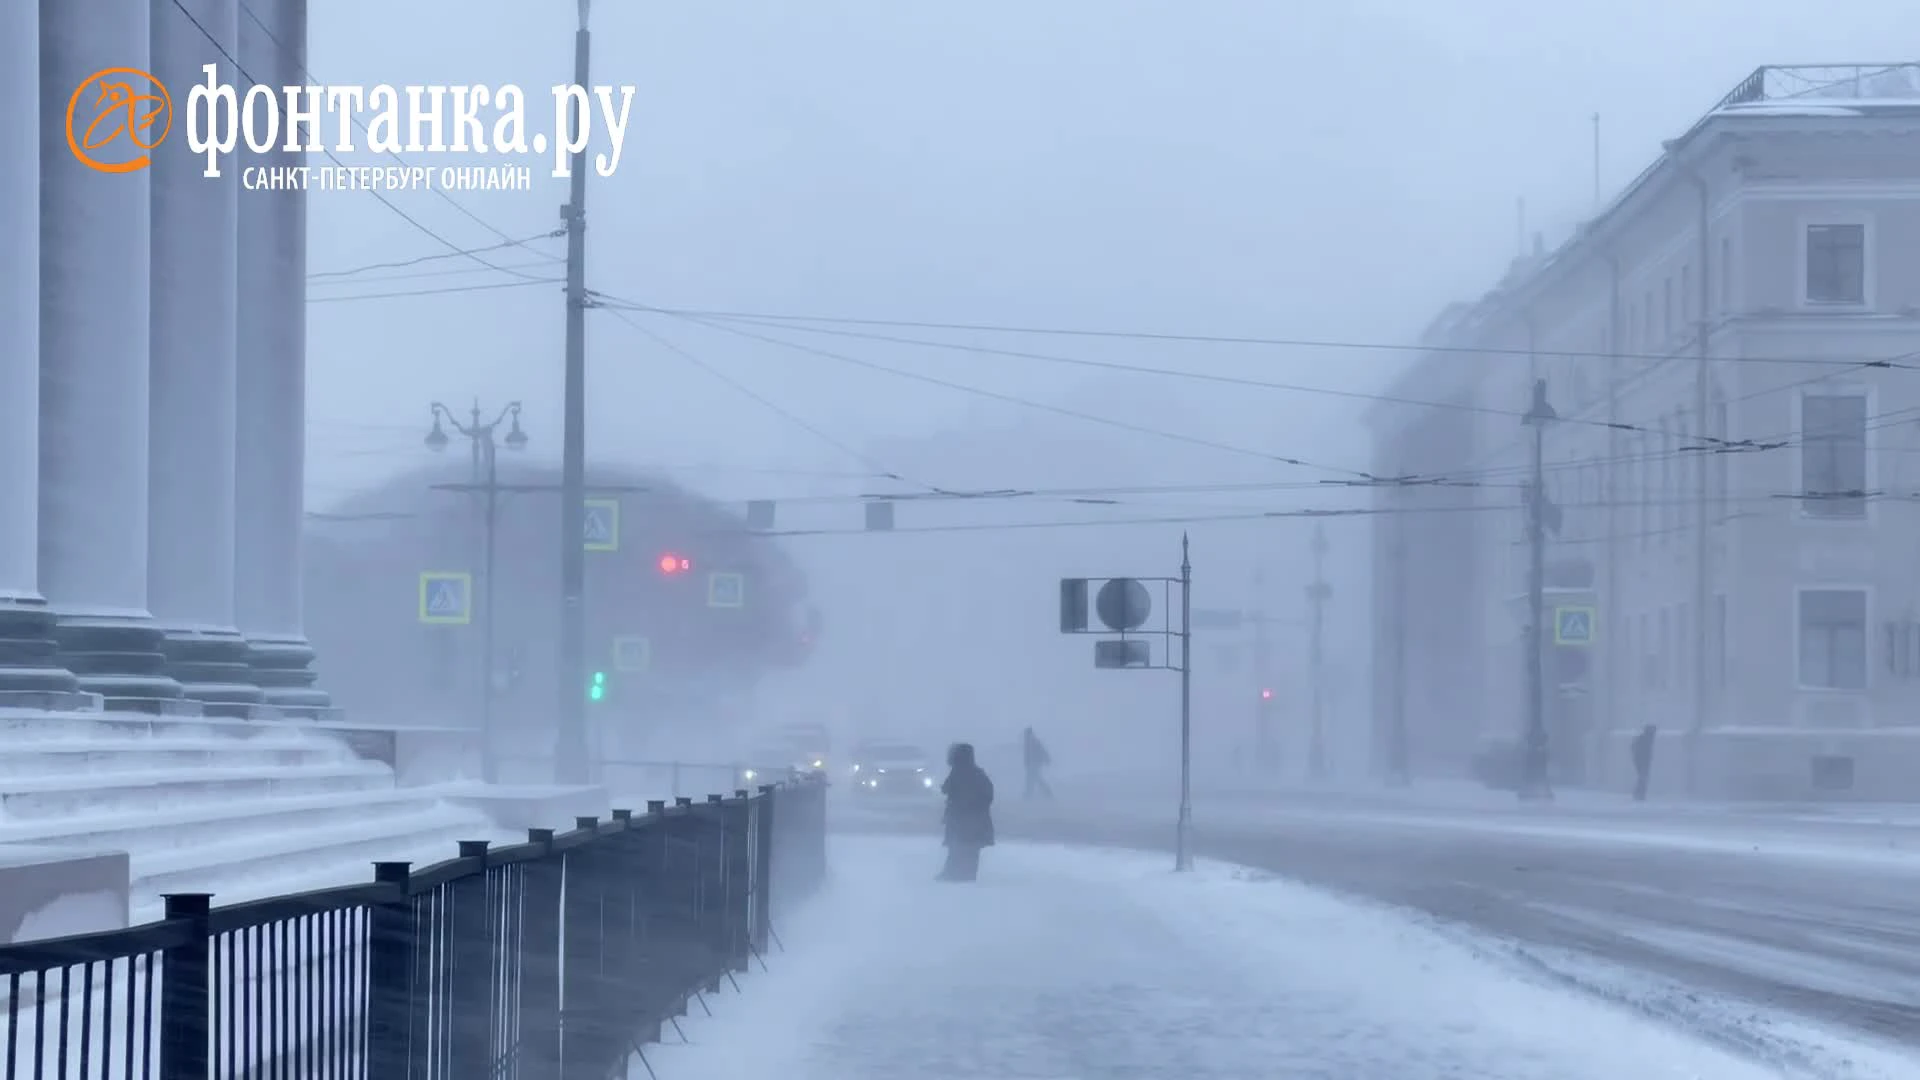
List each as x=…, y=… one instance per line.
x=1067, y=963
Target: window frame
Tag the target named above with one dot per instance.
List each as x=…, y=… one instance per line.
x=1866, y=637
x=1869, y=472
x=1868, y=250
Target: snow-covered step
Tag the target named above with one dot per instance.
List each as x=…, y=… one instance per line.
x=84, y=794
x=217, y=821
x=336, y=855
x=68, y=758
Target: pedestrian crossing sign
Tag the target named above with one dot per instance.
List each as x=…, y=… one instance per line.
x=1573, y=625
x=446, y=598
x=726, y=590
x=602, y=528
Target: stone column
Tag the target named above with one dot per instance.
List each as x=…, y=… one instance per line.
x=26, y=625
x=94, y=249
x=195, y=247
x=272, y=321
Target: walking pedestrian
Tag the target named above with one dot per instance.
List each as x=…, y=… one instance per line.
x=1037, y=759
x=969, y=814
x=1643, y=761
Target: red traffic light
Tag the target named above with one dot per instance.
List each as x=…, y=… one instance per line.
x=1266, y=695
x=675, y=564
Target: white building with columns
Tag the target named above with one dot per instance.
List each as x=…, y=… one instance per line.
x=152, y=377
x=1729, y=347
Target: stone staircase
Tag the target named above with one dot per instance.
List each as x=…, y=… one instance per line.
x=240, y=810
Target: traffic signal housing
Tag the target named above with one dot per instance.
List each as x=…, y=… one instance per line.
x=597, y=686
x=672, y=565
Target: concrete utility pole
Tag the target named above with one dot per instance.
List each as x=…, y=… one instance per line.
x=1399, y=757
x=570, y=746
x=1264, y=745
x=486, y=479
x=1703, y=541
x=1317, y=595
x=1183, y=830
x=1533, y=780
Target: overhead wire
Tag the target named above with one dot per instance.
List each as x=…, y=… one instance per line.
x=401, y=264
x=1140, y=429
x=1215, y=339
x=477, y=287
x=768, y=404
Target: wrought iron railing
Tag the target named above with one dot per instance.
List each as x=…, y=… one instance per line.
x=548, y=959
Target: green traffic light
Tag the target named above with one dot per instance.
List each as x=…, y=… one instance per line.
x=599, y=688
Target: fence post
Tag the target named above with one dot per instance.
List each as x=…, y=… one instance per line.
x=763, y=869
x=186, y=994
x=389, y=965
x=469, y=967
x=540, y=962
x=582, y=1016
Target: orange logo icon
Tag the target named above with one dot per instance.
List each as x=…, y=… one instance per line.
x=126, y=113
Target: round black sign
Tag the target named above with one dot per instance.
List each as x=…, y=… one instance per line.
x=1123, y=604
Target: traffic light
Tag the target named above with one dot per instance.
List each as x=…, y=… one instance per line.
x=597, y=689
x=1266, y=694
x=671, y=564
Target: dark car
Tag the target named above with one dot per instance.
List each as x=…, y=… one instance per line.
x=893, y=769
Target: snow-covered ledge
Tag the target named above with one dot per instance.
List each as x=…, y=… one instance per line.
x=50, y=892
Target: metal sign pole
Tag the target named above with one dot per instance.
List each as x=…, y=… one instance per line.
x=1183, y=843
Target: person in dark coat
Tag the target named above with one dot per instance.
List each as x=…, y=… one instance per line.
x=1643, y=761
x=969, y=814
x=1037, y=759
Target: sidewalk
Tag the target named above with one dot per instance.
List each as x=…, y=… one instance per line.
x=1070, y=964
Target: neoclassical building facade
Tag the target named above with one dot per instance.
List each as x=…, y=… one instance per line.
x=152, y=377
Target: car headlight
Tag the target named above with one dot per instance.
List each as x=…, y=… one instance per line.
x=856, y=766
x=818, y=764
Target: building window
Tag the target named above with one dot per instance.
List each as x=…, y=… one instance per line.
x=1833, y=455
x=1833, y=639
x=1719, y=460
x=1719, y=632
x=1663, y=648
x=1643, y=469
x=1903, y=648
x=1668, y=503
x=1646, y=650
x=1836, y=264
x=1726, y=274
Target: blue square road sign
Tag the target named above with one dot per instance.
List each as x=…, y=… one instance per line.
x=446, y=598
x=726, y=590
x=1573, y=625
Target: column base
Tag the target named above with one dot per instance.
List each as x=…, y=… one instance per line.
x=279, y=667
x=121, y=661
x=212, y=668
x=29, y=657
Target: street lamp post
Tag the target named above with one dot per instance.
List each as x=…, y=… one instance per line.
x=486, y=477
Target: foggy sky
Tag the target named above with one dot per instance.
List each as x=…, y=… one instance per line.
x=1223, y=166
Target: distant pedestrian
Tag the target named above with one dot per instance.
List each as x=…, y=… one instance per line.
x=1037, y=759
x=969, y=814
x=1643, y=761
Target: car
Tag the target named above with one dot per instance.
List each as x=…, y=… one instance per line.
x=892, y=768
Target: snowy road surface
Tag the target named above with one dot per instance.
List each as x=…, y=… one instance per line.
x=1820, y=919
x=1080, y=964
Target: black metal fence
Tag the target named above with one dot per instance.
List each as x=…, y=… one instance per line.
x=548, y=960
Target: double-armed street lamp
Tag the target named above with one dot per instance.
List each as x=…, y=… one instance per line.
x=486, y=479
